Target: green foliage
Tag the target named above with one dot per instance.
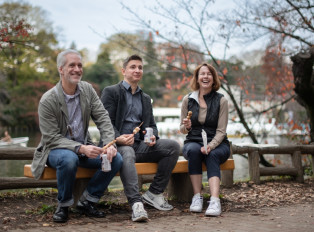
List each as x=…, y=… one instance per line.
x=308, y=171
x=102, y=72
x=27, y=63
x=42, y=209
x=206, y=196
x=46, y=209
x=151, y=82
x=22, y=109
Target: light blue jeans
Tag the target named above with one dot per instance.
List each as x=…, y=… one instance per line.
x=66, y=162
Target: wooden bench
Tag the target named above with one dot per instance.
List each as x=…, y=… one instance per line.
x=179, y=185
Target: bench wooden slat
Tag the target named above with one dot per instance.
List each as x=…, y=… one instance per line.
x=142, y=169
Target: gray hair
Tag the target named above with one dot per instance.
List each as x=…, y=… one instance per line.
x=61, y=57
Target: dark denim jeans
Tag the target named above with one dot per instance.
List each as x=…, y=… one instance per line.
x=66, y=162
x=192, y=152
x=165, y=152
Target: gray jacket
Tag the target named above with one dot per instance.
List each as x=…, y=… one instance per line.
x=53, y=121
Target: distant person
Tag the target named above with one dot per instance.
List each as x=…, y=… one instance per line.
x=64, y=114
x=129, y=107
x=7, y=138
x=209, y=113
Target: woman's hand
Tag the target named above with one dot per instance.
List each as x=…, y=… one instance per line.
x=187, y=123
x=203, y=150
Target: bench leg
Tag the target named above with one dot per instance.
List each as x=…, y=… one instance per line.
x=180, y=187
x=143, y=179
x=79, y=187
x=227, y=178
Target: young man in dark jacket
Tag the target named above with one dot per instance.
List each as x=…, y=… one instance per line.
x=129, y=107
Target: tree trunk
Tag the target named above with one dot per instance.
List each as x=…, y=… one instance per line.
x=302, y=69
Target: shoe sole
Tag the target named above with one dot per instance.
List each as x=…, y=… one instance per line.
x=60, y=221
x=152, y=203
x=196, y=211
x=212, y=214
x=140, y=219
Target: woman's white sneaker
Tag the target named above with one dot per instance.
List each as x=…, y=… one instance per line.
x=197, y=203
x=214, y=208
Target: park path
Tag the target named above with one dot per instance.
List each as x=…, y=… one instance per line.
x=298, y=217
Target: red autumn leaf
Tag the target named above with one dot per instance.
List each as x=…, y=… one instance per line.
x=225, y=71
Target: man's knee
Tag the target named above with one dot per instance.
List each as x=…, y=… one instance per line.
x=172, y=146
x=70, y=162
x=117, y=162
x=176, y=148
x=127, y=153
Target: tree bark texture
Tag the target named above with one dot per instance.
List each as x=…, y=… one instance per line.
x=302, y=69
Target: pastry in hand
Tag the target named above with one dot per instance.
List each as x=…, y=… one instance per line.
x=109, y=144
x=136, y=130
x=189, y=115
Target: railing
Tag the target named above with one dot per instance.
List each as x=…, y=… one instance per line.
x=23, y=153
x=253, y=151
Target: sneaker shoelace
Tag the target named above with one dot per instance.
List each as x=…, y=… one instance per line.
x=139, y=208
x=164, y=202
x=160, y=199
x=196, y=201
x=213, y=205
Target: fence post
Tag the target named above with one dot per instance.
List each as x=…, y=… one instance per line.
x=254, y=167
x=297, y=163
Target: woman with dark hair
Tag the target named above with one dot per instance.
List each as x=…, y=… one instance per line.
x=208, y=122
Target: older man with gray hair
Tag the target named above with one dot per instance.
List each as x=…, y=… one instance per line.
x=64, y=114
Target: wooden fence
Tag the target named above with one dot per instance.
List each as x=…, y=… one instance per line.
x=25, y=153
x=253, y=151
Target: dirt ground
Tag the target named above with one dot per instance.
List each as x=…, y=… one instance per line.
x=28, y=208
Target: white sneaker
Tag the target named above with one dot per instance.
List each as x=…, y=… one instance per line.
x=214, y=208
x=197, y=203
x=139, y=213
x=156, y=200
